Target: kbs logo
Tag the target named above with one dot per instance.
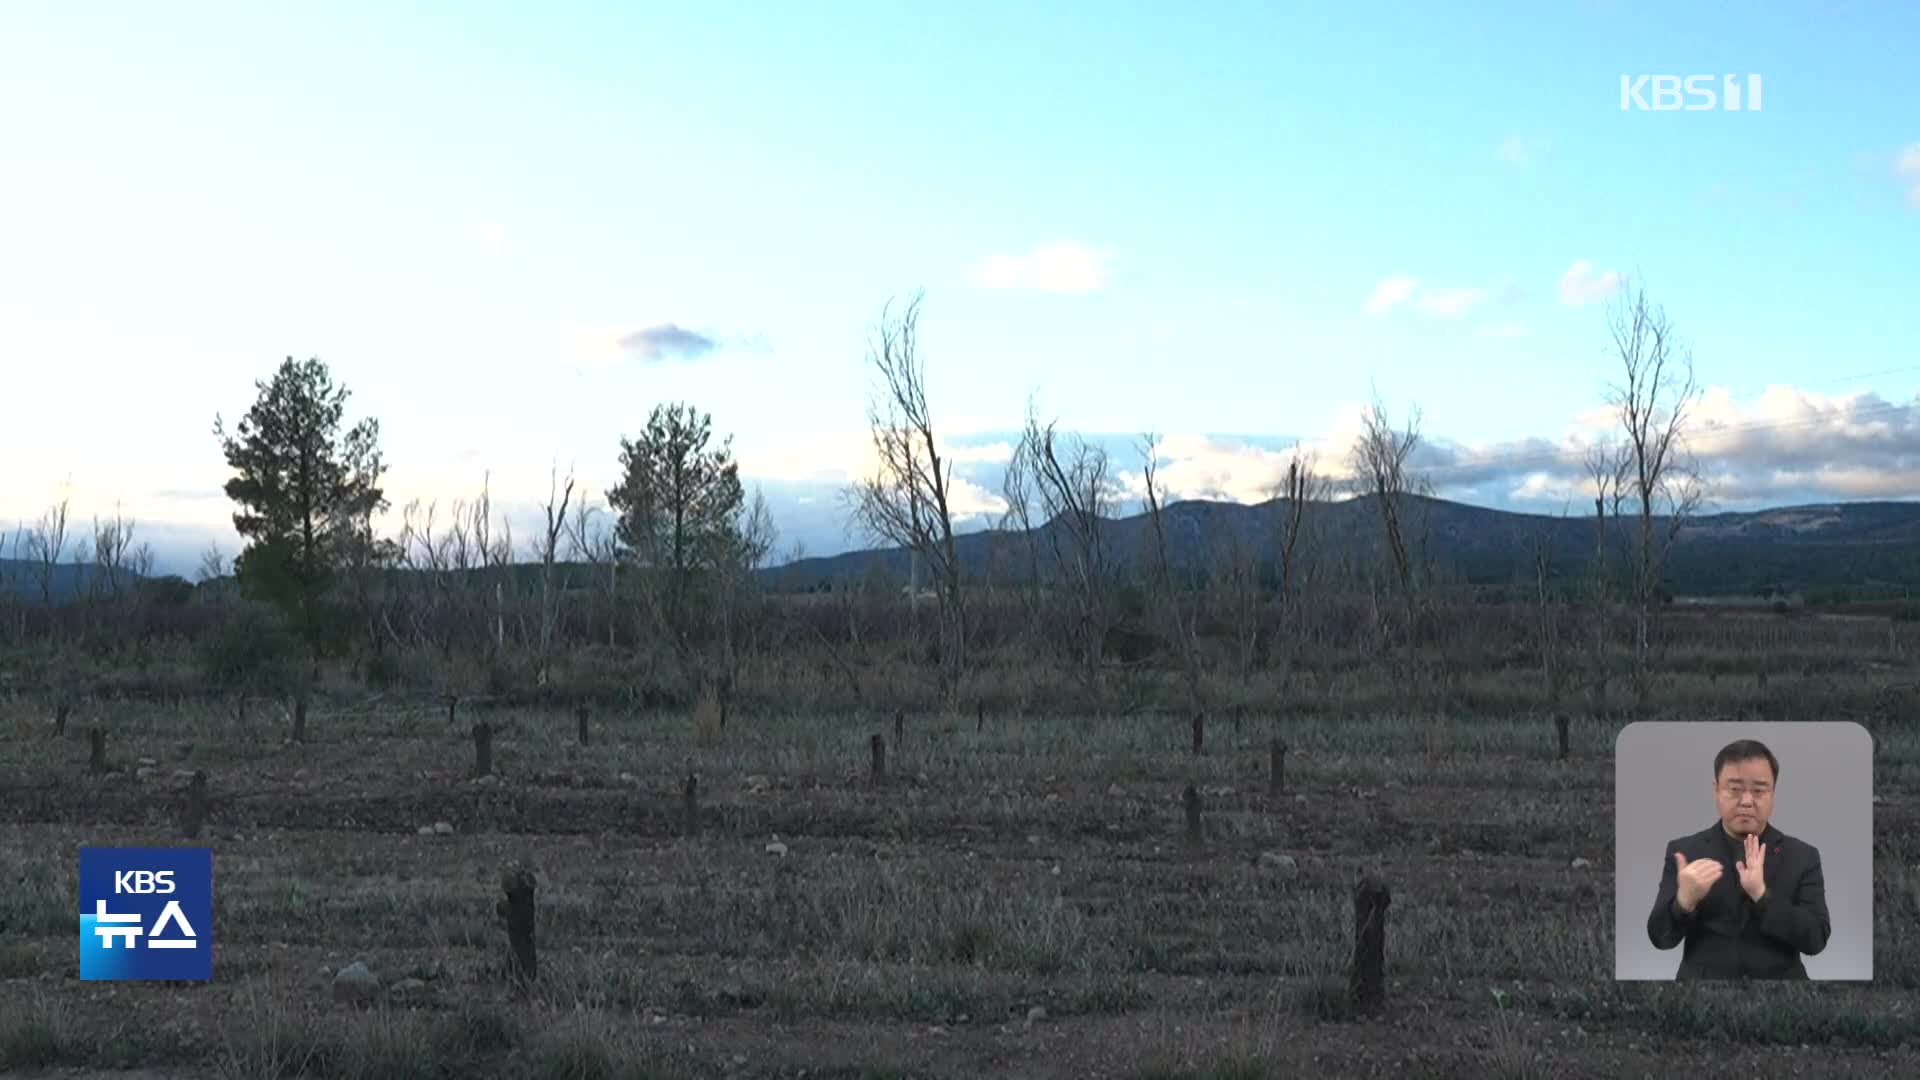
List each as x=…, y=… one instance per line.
x=1688, y=93
x=146, y=913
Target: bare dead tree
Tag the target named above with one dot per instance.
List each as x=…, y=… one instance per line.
x=1379, y=459
x=112, y=547
x=492, y=554
x=908, y=500
x=596, y=548
x=1547, y=609
x=213, y=563
x=1651, y=403
x=1017, y=535
x=1180, y=621
x=1607, y=465
x=1298, y=499
x=1077, y=493
x=547, y=552
x=46, y=545
x=1233, y=582
x=754, y=540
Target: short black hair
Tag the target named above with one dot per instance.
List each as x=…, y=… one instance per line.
x=1745, y=750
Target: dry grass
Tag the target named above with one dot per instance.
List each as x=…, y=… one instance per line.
x=913, y=927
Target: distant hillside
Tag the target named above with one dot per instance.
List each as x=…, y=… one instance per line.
x=1866, y=547
x=21, y=578
x=1788, y=549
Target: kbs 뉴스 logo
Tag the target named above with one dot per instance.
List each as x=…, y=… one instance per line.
x=146, y=913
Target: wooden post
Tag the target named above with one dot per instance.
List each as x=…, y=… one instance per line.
x=899, y=727
x=1192, y=800
x=517, y=910
x=690, y=799
x=482, y=749
x=1276, y=767
x=1560, y=725
x=300, y=718
x=877, y=746
x=580, y=714
x=194, y=816
x=1239, y=714
x=453, y=700
x=979, y=716
x=97, y=757
x=1199, y=731
x=1368, y=987
x=60, y=720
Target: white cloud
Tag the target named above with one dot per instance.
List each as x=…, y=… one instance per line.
x=1581, y=285
x=1391, y=293
x=1449, y=303
x=1522, y=152
x=1064, y=267
x=493, y=237
x=1403, y=289
x=1908, y=169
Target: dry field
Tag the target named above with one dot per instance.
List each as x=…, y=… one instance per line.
x=1016, y=900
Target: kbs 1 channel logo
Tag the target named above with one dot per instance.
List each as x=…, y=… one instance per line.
x=146, y=914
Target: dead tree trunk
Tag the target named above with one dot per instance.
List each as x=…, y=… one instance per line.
x=580, y=715
x=517, y=910
x=482, y=749
x=690, y=803
x=1368, y=987
x=193, y=816
x=1276, y=767
x=1199, y=723
x=300, y=719
x=97, y=757
x=1191, y=799
x=1560, y=727
x=877, y=747
x=60, y=720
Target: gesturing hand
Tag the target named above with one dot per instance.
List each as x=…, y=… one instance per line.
x=1696, y=878
x=1753, y=868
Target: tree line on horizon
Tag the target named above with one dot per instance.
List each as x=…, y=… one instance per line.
x=680, y=539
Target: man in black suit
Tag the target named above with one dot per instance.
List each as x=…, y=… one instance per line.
x=1747, y=899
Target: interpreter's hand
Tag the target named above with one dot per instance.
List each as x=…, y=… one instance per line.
x=1696, y=878
x=1753, y=868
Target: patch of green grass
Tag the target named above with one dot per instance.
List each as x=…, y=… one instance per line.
x=40, y=1038
x=37, y=900
x=265, y=1039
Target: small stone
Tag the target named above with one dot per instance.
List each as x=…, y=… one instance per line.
x=777, y=848
x=1115, y=791
x=424, y=830
x=144, y=772
x=1274, y=860
x=407, y=990
x=147, y=761
x=1035, y=1015
x=1582, y=864
x=628, y=778
x=299, y=774
x=1299, y=798
x=442, y=828
x=183, y=774
x=739, y=1059
x=758, y=784
x=1033, y=838
x=355, y=984
x=488, y=780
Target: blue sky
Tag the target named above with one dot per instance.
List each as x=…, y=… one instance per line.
x=1223, y=223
